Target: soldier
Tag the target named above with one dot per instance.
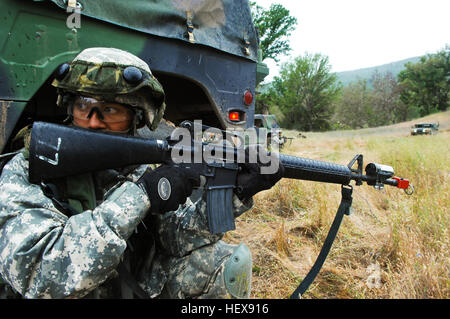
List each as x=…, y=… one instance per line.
x=109, y=234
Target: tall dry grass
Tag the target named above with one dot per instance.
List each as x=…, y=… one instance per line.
x=391, y=246
x=419, y=227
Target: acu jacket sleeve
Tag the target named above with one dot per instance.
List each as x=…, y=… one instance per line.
x=45, y=254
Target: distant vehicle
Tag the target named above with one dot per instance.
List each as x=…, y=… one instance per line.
x=424, y=129
x=274, y=131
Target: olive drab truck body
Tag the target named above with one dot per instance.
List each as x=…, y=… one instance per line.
x=204, y=53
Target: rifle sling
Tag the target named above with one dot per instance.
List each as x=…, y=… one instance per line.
x=344, y=208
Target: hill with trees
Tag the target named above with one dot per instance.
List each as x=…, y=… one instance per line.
x=307, y=96
x=347, y=77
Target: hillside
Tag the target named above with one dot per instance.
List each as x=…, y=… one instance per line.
x=398, y=129
x=347, y=77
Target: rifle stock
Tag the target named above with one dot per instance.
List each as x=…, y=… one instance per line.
x=58, y=151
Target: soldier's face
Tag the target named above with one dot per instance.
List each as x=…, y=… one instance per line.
x=98, y=115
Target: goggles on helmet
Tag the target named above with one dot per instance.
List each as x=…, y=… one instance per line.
x=109, y=112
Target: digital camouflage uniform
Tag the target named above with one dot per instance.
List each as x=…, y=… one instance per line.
x=107, y=245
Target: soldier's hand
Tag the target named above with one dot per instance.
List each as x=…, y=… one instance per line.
x=168, y=187
x=251, y=179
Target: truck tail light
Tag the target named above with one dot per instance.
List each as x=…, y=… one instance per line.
x=248, y=97
x=234, y=116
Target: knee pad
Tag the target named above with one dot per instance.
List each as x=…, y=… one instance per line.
x=238, y=272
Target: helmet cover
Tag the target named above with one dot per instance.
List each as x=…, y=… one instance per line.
x=114, y=75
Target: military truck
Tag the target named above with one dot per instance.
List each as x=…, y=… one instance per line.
x=424, y=128
x=273, y=131
x=204, y=53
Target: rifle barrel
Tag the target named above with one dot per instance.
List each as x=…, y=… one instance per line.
x=314, y=170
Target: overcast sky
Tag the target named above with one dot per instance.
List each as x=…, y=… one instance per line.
x=357, y=34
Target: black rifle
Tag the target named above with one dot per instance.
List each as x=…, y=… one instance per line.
x=58, y=151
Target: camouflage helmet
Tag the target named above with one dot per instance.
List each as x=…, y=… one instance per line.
x=113, y=75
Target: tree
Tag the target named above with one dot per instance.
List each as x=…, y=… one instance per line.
x=385, y=98
x=354, y=109
x=274, y=27
x=305, y=92
x=425, y=85
x=371, y=103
